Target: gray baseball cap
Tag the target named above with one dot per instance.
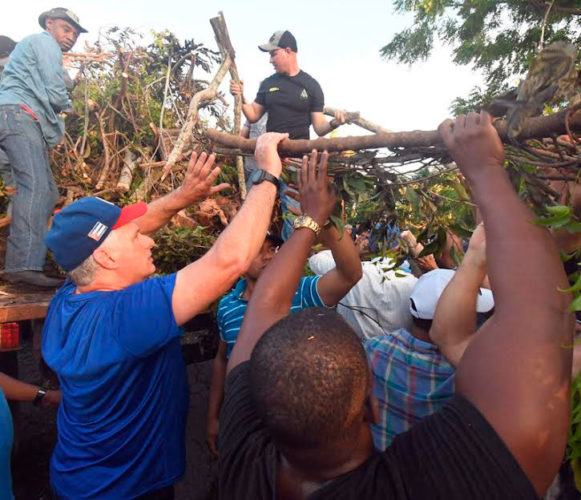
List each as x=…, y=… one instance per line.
x=280, y=40
x=61, y=13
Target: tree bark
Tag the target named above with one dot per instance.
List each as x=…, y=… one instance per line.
x=538, y=127
x=207, y=94
x=223, y=40
x=355, y=118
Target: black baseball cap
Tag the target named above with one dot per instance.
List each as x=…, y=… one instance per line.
x=280, y=40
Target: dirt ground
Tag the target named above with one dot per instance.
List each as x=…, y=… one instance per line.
x=35, y=429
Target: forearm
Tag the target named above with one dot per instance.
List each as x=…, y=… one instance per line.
x=245, y=234
x=324, y=127
x=15, y=390
x=272, y=297
x=334, y=284
x=455, y=317
x=206, y=279
x=344, y=253
x=509, y=233
x=252, y=111
x=160, y=211
x=216, y=388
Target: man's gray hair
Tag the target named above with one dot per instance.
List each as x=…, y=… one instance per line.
x=84, y=273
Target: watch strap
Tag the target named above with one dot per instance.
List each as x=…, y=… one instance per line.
x=308, y=222
x=260, y=175
x=39, y=396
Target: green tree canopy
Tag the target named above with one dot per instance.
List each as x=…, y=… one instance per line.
x=499, y=37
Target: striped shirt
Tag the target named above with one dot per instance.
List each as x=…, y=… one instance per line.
x=412, y=381
x=233, y=306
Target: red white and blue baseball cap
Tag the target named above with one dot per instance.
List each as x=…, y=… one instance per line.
x=80, y=228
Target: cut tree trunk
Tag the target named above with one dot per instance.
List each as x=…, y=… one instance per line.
x=538, y=127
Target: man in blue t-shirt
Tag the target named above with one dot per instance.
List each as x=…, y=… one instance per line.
x=111, y=334
x=313, y=291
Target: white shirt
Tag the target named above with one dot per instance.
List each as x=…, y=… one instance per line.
x=379, y=302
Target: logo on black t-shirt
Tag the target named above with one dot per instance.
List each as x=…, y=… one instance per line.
x=304, y=94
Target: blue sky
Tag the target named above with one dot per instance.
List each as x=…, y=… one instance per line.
x=338, y=44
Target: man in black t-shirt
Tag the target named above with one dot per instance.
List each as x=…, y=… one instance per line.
x=294, y=99
x=298, y=400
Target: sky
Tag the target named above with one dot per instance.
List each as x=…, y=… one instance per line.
x=338, y=44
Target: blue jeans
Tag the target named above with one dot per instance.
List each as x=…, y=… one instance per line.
x=22, y=141
x=5, y=170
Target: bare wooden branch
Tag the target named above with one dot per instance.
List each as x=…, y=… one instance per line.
x=223, y=39
x=354, y=117
x=538, y=127
x=185, y=135
x=106, y=154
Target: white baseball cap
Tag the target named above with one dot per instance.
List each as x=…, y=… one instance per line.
x=428, y=289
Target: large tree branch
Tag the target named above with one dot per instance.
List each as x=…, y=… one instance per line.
x=538, y=127
x=223, y=39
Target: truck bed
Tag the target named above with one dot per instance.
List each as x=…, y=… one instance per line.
x=22, y=302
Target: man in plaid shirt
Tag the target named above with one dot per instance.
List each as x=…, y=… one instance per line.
x=412, y=377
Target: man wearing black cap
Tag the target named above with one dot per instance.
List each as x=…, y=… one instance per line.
x=294, y=99
x=32, y=95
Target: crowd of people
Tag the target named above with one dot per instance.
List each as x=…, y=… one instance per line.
x=352, y=382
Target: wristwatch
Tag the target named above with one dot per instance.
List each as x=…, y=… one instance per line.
x=308, y=222
x=39, y=396
x=258, y=175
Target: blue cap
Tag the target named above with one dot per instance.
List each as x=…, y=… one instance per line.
x=80, y=228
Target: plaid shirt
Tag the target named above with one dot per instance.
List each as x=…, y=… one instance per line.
x=412, y=381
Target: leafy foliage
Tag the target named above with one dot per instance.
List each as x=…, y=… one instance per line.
x=499, y=37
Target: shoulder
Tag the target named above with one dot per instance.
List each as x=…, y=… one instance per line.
x=307, y=79
x=270, y=80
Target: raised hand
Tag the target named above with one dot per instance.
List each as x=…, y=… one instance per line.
x=199, y=179
x=266, y=152
x=236, y=88
x=317, y=197
x=473, y=143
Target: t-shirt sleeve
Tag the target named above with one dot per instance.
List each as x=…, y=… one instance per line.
x=142, y=315
x=317, y=97
x=261, y=94
x=308, y=292
x=220, y=318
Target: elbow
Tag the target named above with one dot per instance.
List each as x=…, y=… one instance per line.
x=233, y=266
x=353, y=275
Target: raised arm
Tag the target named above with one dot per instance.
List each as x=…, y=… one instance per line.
x=206, y=279
x=335, y=284
x=455, y=317
x=272, y=297
x=197, y=186
x=517, y=369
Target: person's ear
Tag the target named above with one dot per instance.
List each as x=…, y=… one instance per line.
x=371, y=409
x=104, y=258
